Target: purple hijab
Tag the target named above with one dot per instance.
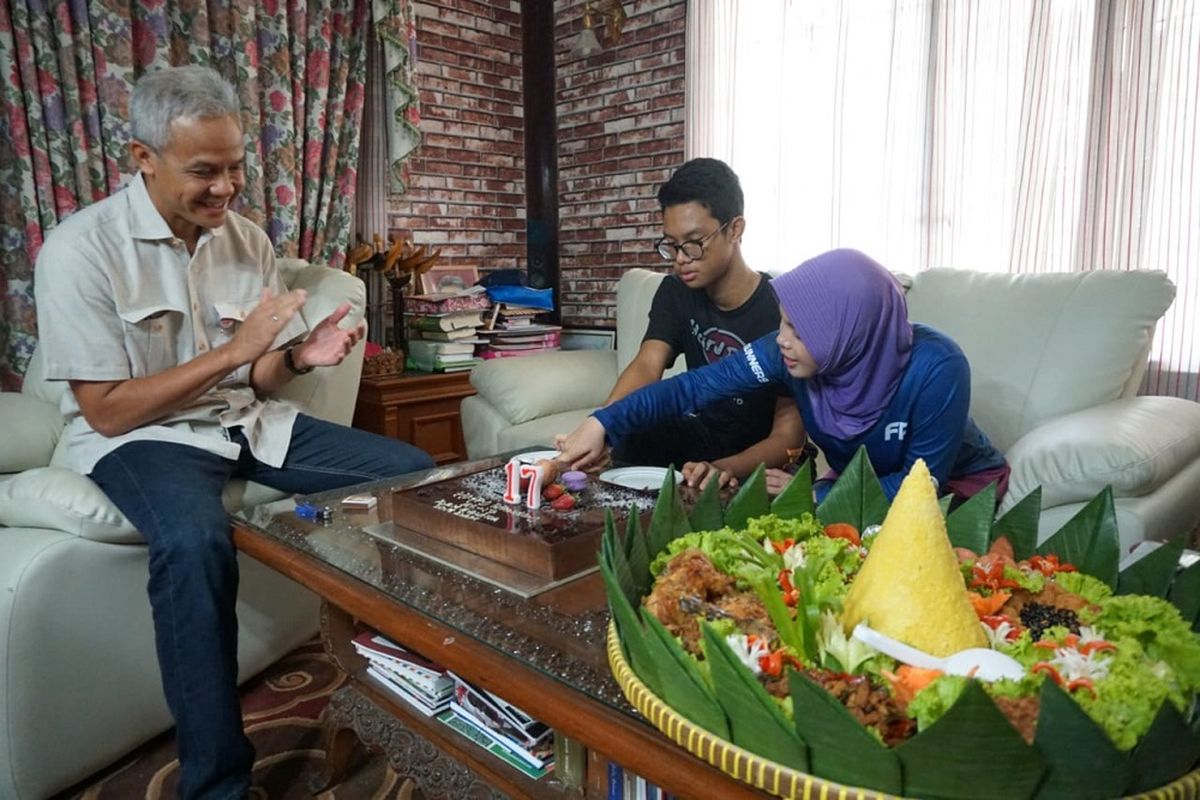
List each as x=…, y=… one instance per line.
x=851, y=315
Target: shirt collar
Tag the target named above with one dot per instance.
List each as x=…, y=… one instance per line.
x=147, y=223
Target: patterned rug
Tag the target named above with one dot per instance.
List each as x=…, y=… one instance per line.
x=282, y=710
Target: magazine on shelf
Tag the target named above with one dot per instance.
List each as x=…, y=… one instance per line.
x=378, y=649
x=524, y=330
x=543, y=344
x=456, y=335
x=490, y=353
x=498, y=714
x=428, y=351
x=372, y=642
x=472, y=732
x=454, y=363
x=514, y=341
x=537, y=755
x=425, y=704
x=431, y=691
x=450, y=321
x=428, y=304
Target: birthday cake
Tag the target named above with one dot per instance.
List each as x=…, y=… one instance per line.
x=551, y=541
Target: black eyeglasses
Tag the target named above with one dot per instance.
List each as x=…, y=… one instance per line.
x=692, y=249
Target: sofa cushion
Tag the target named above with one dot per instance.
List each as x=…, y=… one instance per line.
x=546, y=384
x=635, y=293
x=1134, y=445
x=1043, y=345
x=31, y=429
x=541, y=432
x=61, y=499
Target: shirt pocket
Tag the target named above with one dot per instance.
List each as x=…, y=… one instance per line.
x=229, y=316
x=152, y=337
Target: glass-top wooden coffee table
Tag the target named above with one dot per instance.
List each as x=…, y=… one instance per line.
x=543, y=653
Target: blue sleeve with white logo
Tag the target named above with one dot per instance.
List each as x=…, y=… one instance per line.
x=757, y=365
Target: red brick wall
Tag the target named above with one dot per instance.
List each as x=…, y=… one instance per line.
x=620, y=135
x=466, y=182
x=620, y=132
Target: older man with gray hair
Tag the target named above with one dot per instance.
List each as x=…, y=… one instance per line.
x=165, y=312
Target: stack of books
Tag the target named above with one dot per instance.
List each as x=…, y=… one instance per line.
x=442, y=338
x=422, y=684
x=501, y=728
x=472, y=299
x=625, y=785
x=515, y=331
x=433, y=356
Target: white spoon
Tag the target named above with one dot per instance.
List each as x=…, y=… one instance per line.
x=975, y=662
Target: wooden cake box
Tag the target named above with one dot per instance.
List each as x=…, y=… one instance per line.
x=469, y=512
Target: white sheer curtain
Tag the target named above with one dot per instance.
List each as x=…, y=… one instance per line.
x=1024, y=136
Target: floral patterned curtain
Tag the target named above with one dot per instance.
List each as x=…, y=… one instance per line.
x=67, y=69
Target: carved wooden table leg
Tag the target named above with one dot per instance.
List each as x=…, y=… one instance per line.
x=437, y=775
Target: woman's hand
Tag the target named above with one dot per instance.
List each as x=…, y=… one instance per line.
x=584, y=446
x=699, y=473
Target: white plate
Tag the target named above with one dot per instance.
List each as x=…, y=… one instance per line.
x=640, y=478
x=534, y=456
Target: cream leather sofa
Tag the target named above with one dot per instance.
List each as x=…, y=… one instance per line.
x=1056, y=362
x=79, y=682
x=525, y=401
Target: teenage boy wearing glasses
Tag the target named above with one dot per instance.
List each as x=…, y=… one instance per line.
x=711, y=306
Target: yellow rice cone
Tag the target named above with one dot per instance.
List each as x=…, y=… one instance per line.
x=910, y=586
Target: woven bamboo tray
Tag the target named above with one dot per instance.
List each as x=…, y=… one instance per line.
x=775, y=778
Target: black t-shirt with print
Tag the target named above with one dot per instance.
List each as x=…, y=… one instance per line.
x=688, y=321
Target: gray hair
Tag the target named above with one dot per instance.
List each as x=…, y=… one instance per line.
x=161, y=97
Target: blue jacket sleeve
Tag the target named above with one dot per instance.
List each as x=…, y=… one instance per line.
x=755, y=366
x=936, y=423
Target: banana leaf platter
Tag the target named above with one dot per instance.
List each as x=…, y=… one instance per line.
x=718, y=709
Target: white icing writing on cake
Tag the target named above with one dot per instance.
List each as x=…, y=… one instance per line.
x=473, y=507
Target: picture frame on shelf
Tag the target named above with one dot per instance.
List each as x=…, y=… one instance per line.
x=588, y=339
x=448, y=279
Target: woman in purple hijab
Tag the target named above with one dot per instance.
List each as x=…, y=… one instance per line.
x=861, y=374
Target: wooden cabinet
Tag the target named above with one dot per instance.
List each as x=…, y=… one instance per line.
x=417, y=407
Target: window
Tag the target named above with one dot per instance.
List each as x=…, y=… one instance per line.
x=1023, y=136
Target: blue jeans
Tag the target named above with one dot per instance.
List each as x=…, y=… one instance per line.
x=172, y=494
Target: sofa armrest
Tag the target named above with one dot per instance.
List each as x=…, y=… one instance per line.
x=1134, y=445
x=32, y=428
x=529, y=387
x=327, y=392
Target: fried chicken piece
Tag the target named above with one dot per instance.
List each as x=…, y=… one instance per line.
x=688, y=584
x=748, y=611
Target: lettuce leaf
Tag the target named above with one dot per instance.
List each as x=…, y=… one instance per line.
x=1091, y=589
x=732, y=552
x=1157, y=626
x=935, y=699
